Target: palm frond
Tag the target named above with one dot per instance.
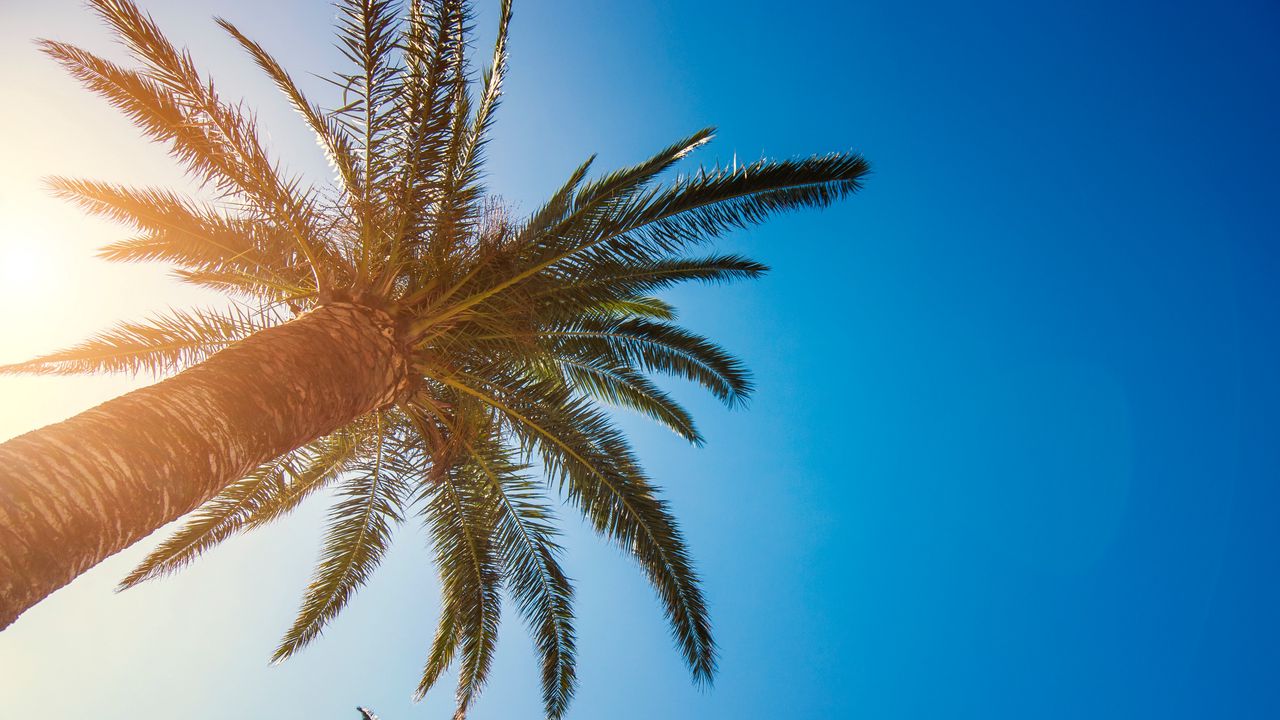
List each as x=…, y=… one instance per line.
x=706, y=205
x=269, y=492
x=188, y=234
x=461, y=520
x=444, y=647
x=471, y=155
x=693, y=210
x=151, y=107
x=324, y=461
x=425, y=106
x=611, y=279
x=217, y=140
x=621, y=386
x=656, y=347
x=161, y=345
x=333, y=138
x=368, y=33
x=212, y=522
x=635, y=307
x=543, y=593
x=457, y=203
x=542, y=239
x=578, y=445
x=360, y=526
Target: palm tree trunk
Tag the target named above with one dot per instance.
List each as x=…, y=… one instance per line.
x=78, y=491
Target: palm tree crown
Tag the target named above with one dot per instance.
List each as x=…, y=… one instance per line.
x=514, y=331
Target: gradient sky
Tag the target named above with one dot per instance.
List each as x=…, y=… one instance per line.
x=1013, y=452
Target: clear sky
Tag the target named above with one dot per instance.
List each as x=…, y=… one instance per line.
x=1013, y=452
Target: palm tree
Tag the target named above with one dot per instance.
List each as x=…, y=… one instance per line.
x=397, y=337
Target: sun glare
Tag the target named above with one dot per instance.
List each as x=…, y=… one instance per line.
x=24, y=269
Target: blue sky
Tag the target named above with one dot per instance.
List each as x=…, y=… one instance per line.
x=1013, y=450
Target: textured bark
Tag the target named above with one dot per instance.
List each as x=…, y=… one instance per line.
x=78, y=491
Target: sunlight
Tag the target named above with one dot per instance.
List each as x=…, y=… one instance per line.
x=26, y=269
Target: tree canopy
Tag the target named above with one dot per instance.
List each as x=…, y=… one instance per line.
x=519, y=331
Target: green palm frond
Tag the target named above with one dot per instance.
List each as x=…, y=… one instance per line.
x=646, y=226
x=269, y=492
x=618, y=279
x=541, y=240
x=213, y=522
x=519, y=331
x=477, y=603
x=525, y=532
x=594, y=464
x=367, y=38
x=460, y=515
x=620, y=385
x=636, y=307
x=443, y=648
x=656, y=347
x=432, y=46
x=360, y=526
x=325, y=461
x=471, y=157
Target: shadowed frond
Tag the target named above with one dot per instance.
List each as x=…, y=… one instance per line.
x=612, y=280
x=692, y=210
x=594, y=464
x=460, y=516
x=360, y=526
x=635, y=307
x=524, y=532
x=655, y=347
x=620, y=385
x=541, y=237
